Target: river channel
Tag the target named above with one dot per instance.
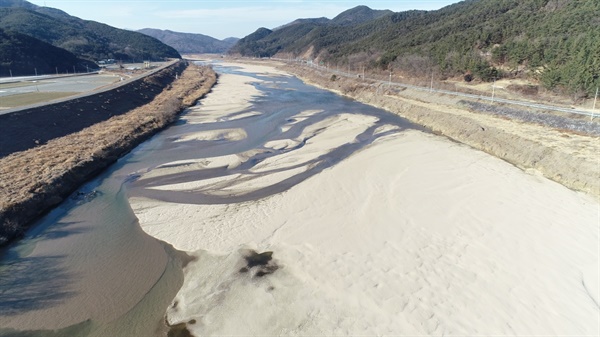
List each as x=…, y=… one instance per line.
x=87, y=268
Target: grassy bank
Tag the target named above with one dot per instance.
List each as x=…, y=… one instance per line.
x=35, y=180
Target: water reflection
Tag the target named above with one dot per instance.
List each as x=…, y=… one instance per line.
x=34, y=283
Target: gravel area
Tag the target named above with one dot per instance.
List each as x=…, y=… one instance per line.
x=558, y=122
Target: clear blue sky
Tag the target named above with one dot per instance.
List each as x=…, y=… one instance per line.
x=219, y=19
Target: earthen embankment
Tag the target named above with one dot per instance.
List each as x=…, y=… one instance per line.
x=27, y=128
x=571, y=158
x=83, y=137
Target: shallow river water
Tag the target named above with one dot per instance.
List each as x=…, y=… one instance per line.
x=87, y=269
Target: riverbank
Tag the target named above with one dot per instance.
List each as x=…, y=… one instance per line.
x=568, y=157
x=409, y=234
x=34, y=181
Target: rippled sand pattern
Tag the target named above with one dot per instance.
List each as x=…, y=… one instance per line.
x=363, y=226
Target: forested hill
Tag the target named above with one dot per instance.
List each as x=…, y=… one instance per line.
x=358, y=15
x=24, y=55
x=187, y=43
x=555, y=41
x=301, y=35
x=85, y=39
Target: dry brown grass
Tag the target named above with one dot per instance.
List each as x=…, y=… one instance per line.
x=32, y=181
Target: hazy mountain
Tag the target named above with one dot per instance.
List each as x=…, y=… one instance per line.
x=187, y=43
x=232, y=40
x=554, y=41
x=86, y=39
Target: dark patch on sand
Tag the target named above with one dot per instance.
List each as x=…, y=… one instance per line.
x=179, y=330
x=262, y=261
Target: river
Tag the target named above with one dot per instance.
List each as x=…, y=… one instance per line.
x=87, y=268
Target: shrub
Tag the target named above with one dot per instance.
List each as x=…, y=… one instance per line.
x=468, y=77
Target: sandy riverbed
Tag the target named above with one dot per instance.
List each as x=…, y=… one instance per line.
x=567, y=157
x=413, y=235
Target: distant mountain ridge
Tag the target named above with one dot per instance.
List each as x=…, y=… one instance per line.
x=18, y=4
x=353, y=16
x=555, y=42
x=316, y=21
x=85, y=39
x=296, y=36
x=358, y=15
x=188, y=43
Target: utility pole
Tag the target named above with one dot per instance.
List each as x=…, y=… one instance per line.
x=594, y=107
x=493, y=89
x=431, y=85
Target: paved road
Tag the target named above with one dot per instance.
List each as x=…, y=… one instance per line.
x=41, y=77
x=96, y=90
x=63, y=84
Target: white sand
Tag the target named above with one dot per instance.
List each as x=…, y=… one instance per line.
x=226, y=134
x=227, y=106
x=414, y=235
x=257, y=68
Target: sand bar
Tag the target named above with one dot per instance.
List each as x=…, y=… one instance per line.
x=413, y=235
